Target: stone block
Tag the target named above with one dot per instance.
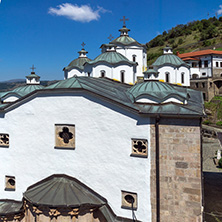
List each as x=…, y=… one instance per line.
x=183, y=165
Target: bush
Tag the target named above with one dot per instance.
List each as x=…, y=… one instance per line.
x=220, y=162
x=219, y=123
x=180, y=41
x=207, y=122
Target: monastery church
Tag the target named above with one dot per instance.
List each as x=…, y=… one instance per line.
x=100, y=146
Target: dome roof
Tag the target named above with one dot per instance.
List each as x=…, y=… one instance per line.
x=111, y=57
x=77, y=63
x=124, y=40
x=62, y=190
x=158, y=90
x=170, y=59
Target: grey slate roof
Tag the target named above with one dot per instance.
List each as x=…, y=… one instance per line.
x=126, y=95
x=10, y=207
x=22, y=90
x=169, y=59
x=62, y=191
x=77, y=63
x=111, y=58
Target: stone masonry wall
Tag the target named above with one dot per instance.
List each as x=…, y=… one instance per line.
x=180, y=171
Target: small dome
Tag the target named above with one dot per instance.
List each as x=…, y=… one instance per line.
x=111, y=58
x=77, y=63
x=170, y=59
x=158, y=92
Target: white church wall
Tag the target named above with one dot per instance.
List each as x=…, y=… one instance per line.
x=162, y=73
x=186, y=72
x=130, y=51
x=101, y=158
x=74, y=72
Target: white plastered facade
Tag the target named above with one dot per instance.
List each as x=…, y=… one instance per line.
x=140, y=56
x=101, y=159
x=112, y=71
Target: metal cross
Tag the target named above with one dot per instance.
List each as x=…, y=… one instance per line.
x=33, y=68
x=110, y=37
x=83, y=44
x=124, y=20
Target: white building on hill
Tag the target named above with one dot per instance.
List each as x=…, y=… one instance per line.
x=123, y=59
x=169, y=68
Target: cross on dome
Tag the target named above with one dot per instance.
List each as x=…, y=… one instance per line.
x=83, y=45
x=110, y=37
x=33, y=68
x=124, y=19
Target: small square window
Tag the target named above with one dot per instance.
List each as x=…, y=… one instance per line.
x=4, y=140
x=129, y=200
x=9, y=183
x=139, y=147
x=65, y=136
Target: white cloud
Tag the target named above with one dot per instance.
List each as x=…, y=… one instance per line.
x=220, y=10
x=83, y=13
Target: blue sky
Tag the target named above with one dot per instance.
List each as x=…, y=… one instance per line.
x=49, y=33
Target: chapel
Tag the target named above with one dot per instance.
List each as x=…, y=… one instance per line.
x=91, y=148
x=122, y=59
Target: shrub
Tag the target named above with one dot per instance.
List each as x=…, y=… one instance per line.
x=207, y=122
x=220, y=162
x=180, y=41
x=219, y=123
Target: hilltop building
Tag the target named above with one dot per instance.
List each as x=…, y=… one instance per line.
x=169, y=68
x=205, y=72
x=123, y=59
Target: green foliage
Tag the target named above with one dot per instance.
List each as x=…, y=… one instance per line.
x=207, y=122
x=204, y=30
x=220, y=162
x=219, y=123
x=180, y=41
x=206, y=43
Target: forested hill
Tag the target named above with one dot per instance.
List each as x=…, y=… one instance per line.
x=195, y=35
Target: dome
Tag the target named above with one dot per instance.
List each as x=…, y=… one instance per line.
x=170, y=59
x=125, y=40
x=111, y=57
x=77, y=63
x=158, y=92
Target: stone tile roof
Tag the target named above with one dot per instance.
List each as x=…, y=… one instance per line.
x=126, y=95
x=10, y=207
x=200, y=53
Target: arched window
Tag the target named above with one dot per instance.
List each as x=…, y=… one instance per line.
x=103, y=73
x=167, y=77
x=182, y=77
x=194, y=76
x=134, y=58
x=122, y=76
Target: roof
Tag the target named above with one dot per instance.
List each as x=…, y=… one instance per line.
x=22, y=90
x=111, y=57
x=150, y=71
x=189, y=58
x=10, y=207
x=169, y=59
x=62, y=190
x=200, y=53
x=158, y=90
x=77, y=63
x=32, y=75
x=126, y=95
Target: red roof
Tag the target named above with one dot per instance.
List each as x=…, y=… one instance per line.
x=199, y=53
x=189, y=58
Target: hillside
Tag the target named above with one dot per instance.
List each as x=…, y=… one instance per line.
x=195, y=35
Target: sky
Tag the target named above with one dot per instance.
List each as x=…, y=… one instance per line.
x=48, y=33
